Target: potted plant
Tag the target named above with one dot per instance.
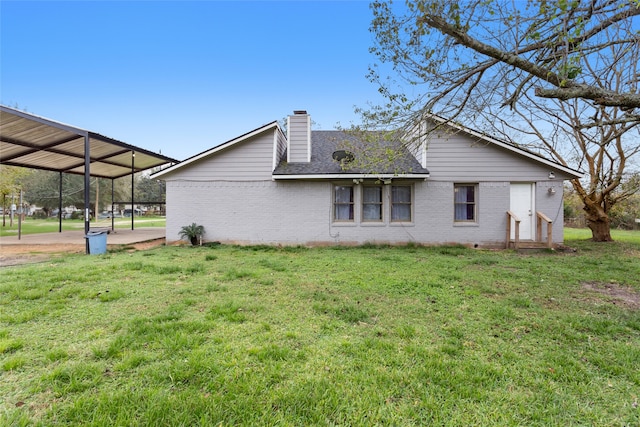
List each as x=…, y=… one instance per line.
x=193, y=233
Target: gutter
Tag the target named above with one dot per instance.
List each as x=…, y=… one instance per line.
x=351, y=176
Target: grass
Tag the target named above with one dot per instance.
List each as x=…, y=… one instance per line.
x=629, y=236
x=51, y=225
x=260, y=335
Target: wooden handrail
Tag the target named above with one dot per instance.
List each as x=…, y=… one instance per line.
x=516, y=242
x=542, y=217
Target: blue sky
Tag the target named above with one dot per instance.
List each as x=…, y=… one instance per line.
x=181, y=77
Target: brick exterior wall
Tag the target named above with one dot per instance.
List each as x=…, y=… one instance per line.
x=300, y=212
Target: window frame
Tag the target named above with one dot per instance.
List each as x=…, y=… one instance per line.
x=336, y=203
x=392, y=204
x=380, y=204
x=466, y=203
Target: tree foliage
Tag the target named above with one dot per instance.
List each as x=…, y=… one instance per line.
x=149, y=190
x=42, y=188
x=560, y=78
x=10, y=180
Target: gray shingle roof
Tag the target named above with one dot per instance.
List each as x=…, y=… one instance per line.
x=325, y=143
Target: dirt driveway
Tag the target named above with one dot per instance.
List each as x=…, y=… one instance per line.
x=28, y=254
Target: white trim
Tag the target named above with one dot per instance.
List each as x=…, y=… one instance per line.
x=216, y=149
x=351, y=176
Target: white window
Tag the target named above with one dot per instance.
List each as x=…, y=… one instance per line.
x=372, y=203
x=343, y=203
x=400, y=203
x=464, y=203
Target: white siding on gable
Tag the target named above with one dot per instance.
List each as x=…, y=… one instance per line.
x=460, y=158
x=248, y=160
x=280, y=147
x=418, y=138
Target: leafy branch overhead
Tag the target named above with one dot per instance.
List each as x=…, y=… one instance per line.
x=373, y=152
x=561, y=50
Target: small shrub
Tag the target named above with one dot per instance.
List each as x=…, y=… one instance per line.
x=193, y=233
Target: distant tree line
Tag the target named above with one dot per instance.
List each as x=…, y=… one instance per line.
x=42, y=189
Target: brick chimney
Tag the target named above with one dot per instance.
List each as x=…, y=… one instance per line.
x=299, y=137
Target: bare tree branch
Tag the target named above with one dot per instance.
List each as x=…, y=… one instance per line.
x=568, y=71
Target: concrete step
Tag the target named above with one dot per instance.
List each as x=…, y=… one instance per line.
x=532, y=247
x=529, y=246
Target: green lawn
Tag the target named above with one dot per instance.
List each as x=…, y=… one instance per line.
x=51, y=225
x=326, y=336
x=628, y=236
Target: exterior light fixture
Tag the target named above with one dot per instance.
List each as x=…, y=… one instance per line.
x=551, y=191
x=552, y=175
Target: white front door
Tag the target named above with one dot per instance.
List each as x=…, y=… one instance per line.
x=523, y=206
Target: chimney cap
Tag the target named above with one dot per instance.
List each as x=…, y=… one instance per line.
x=299, y=111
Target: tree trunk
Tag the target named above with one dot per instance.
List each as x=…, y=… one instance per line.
x=600, y=229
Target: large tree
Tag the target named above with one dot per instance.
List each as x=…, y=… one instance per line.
x=558, y=77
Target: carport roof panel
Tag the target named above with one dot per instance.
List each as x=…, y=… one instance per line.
x=35, y=142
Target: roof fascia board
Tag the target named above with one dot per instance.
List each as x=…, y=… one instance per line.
x=507, y=146
x=216, y=149
x=351, y=176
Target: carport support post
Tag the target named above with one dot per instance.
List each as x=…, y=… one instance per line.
x=133, y=169
x=87, y=188
x=60, y=206
x=113, y=220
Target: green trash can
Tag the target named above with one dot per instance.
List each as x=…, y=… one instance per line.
x=96, y=242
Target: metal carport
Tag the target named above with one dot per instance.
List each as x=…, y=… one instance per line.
x=35, y=142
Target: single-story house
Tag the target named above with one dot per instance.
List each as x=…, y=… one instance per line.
x=454, y=185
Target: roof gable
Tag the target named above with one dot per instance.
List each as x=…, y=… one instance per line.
x=269, y=127
x=509, y=147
